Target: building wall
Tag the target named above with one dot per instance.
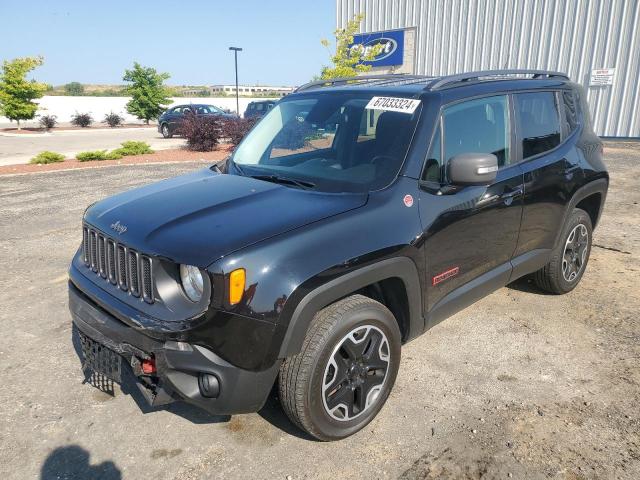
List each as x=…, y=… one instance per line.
x=571, y=36
x=64, y=107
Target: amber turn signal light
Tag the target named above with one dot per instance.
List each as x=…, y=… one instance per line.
x=236, y=285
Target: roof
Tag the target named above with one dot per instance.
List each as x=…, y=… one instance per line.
x=420, y=83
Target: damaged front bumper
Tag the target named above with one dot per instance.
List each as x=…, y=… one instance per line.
x=182, y=371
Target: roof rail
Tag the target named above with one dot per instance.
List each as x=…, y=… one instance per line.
x=359, y=79
x=448, y=80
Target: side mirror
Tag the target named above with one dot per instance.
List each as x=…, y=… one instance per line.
x=473, y=169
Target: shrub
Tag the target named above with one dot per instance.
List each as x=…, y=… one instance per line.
x=97, y=155
x=48, y=121
x=81, y=119
x=202, y=133
x=47, y=157
x=236, y=128
x=133, y=148
x=113, y=119
x=294, y=135
x=74, y=89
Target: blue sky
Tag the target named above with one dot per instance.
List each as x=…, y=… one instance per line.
x=93, y=42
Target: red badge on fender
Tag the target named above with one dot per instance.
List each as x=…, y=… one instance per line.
x=408, y=200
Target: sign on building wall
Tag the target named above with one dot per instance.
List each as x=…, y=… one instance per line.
x=392, y=42
x=602, y=76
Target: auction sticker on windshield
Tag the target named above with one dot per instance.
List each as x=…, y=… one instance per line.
x=394, y=104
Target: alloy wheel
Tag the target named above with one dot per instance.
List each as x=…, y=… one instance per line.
x=355, y=373
x=575, y=252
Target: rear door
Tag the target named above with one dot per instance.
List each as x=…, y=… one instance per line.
x=551, y=170
x=470, y=233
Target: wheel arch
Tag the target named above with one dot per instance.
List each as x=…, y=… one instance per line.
x=589, y=197
x=392, y=278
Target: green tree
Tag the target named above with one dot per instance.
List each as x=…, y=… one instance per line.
x=347, y=60
x=16, y=92
x=148, y=91
x=74, y=88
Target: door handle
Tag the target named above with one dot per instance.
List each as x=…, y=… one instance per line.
x=508, y=197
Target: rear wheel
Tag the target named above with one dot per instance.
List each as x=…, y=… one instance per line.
x=166, y=133
x=569, y=259
x=345, y=371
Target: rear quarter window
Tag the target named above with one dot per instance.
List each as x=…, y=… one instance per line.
x=571, y=116
x=538, y=122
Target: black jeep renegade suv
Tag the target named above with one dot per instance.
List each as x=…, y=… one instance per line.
x=356, y=214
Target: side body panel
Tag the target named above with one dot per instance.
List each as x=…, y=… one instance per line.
x=283, y=270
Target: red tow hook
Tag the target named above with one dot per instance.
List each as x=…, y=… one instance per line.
x=148, y=366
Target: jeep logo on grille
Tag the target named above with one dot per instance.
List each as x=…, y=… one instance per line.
x=118, y=227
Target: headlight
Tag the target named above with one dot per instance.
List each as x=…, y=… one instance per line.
x=192, y=282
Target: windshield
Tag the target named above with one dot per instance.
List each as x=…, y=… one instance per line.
x=331, y=141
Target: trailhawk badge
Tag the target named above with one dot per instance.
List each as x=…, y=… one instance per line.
x=394, y=104
x=118, y=227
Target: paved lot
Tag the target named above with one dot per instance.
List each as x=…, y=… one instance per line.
x=522, y=383
x=21, y=148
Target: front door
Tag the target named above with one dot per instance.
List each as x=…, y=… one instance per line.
x=470, y=233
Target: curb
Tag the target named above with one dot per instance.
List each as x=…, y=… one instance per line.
x=201, y=161
x=85, y=130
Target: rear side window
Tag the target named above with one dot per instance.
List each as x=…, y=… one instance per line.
x=478, y=126
x=571, y=112
x=539, y=122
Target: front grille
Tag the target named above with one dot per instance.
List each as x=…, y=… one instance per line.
x=119, y=265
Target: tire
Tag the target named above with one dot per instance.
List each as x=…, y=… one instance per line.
x=166, y=132
x=563, y=273
x=308, y=382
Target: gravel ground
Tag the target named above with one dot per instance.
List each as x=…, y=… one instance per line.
x=522, y=384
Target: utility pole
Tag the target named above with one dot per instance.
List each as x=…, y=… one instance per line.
x=235, y=53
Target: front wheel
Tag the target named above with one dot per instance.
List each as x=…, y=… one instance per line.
x=345, y=371
x=569, y=259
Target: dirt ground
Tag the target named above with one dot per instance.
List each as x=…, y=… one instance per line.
x=521, y=385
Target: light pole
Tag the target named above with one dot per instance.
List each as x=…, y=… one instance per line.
x=235, y=53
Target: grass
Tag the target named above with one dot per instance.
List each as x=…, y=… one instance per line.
x=127, y=148
x=97, y=155
x=47, y=157
x=133, y=148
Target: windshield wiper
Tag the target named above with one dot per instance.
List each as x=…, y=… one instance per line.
x=285, y=180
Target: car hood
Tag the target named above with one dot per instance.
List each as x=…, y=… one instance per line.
x=203, y=216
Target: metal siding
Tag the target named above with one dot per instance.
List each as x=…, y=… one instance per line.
x=573, y=36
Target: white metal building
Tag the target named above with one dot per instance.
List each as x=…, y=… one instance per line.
x=249, y=90
x=597, y=42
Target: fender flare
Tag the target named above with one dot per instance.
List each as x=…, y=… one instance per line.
x=600, y=186
x=327, y=293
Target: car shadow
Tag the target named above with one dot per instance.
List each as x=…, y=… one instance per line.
x=272, y=412
x=527, y=285
x=72, y=461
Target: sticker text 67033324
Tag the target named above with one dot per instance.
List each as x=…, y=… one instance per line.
x=394, y=104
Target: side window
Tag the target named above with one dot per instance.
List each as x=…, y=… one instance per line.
x=478, y=126
x=571, y=118
x=433, y=165
x=539, y=122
